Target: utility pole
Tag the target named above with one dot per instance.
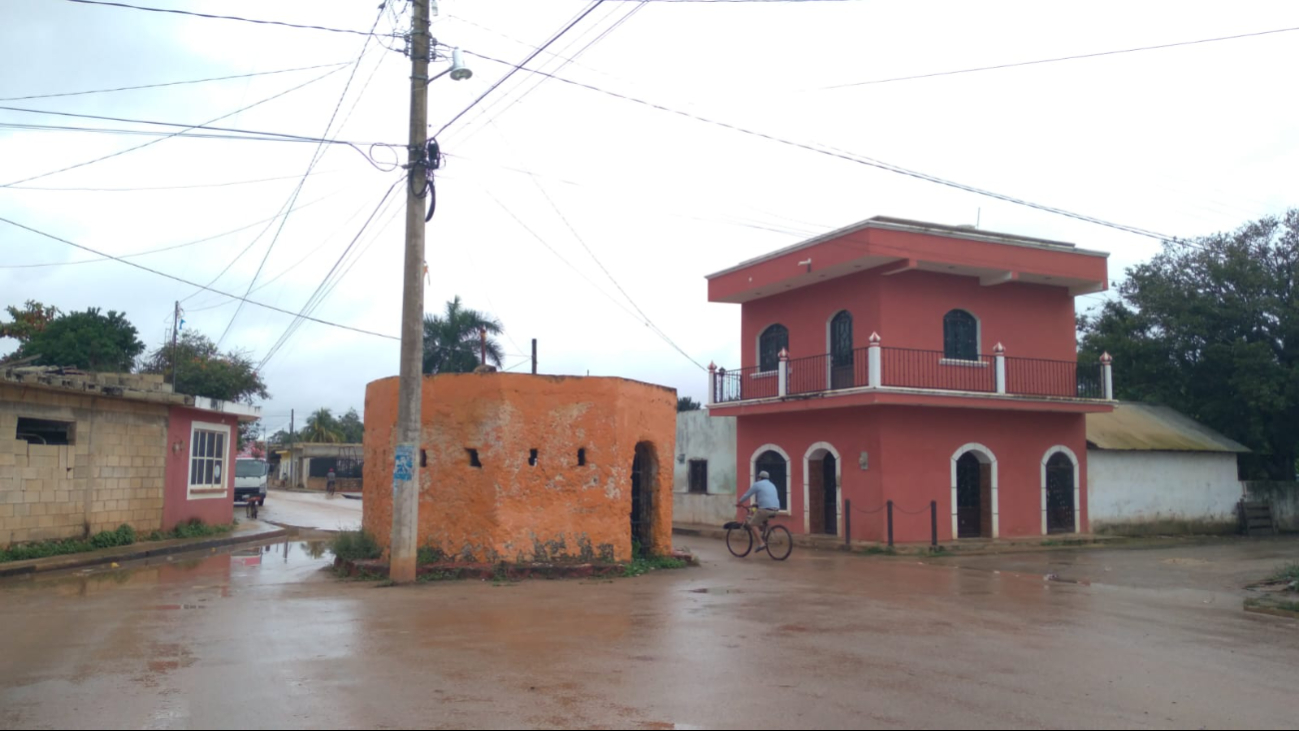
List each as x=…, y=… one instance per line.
x=175, y=327
x=405, y=473
x=482, y=335
x=291, y=483
x=534, y=356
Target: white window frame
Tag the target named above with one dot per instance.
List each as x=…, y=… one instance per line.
x=208, y=492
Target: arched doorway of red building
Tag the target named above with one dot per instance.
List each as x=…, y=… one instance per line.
x=644, y=476
x=973, y=496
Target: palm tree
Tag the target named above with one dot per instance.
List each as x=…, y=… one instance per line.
x=321, y=427
x=452, y=341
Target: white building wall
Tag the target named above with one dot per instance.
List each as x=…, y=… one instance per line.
x=700, y=436
x=1141, y=487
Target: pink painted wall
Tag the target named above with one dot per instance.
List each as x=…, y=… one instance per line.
x=907, y=309
x=177, y=505
x=910, y=453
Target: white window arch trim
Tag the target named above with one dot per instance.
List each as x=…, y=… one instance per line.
x=827, y=448
x=990, y=459
x=204, y=491
x=1077, y=488
x=753, y=473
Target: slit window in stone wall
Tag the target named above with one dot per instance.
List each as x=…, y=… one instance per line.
x=473, y=458
x=581, y=457
x=532, y=457
x=46, y=431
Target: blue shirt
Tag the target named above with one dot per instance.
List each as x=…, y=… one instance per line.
x=765, y=491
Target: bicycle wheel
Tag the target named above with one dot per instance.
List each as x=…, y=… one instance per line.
x=779, y=542
x=739, y=541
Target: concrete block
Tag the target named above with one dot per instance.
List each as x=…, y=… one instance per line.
x=7, y=459
x=136, y=483
x=6, y=511
x=39, y=509
x=31, y=496
x=46, y=521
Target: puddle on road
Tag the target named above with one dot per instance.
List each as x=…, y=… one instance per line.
x=287, y=561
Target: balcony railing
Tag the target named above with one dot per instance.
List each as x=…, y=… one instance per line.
x=907, y=368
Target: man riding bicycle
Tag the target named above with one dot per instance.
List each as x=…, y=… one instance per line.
x=764, y=492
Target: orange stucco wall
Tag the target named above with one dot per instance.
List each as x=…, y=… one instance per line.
x=508, y=509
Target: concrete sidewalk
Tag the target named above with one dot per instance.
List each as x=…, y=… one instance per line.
x=968, y=547
x=247, y=531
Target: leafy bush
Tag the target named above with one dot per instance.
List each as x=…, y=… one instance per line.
x=429, y=554
x=193, y=528
x=1287, y=573
x=355, y=546
x=123, y=536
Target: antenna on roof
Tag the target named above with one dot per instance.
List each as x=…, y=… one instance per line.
x=978, y=217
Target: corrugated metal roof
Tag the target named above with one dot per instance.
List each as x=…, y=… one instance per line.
x=1145, y=427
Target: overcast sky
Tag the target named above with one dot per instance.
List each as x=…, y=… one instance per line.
x=1182, y=141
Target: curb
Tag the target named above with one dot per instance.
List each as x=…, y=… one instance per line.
x=160, y=548
x=447, y=570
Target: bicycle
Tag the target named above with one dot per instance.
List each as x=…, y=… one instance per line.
x=739, y=540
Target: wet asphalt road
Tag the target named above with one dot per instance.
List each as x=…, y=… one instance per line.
x=266, y=639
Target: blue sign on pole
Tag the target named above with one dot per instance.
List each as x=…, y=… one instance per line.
x=404, y=465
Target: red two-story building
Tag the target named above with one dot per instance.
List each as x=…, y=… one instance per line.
x=919, y=370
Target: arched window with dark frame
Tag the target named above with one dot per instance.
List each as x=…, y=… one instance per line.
x=841, y=354
x=773, y=340
x=960, y=336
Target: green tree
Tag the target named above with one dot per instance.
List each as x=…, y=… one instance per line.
x=452, y=340
x=351, y=427
x=685, y=403
x=321, y=426
x=87, y=340
x=27, y=320
x=203, y=370
x=1210, y=327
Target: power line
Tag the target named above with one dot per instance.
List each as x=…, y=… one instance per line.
x=160, y=250
x=565, y=61
x=168, y=83
x=241, y=133
x=523, y=63
x=168, y=187
x=851, y=157
x=1055, y=60
x=223, y=17
x=579, y=272
x=315, y=158
x=182, y=280
x=595, y=258
x=151, y=142
x=315, y=299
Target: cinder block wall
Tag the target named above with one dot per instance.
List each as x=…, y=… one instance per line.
x=111, y=474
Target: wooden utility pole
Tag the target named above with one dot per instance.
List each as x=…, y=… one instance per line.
x=175, y=328
x=291, y=483
x=405, y=473
x=534, y=356
x=482, y=336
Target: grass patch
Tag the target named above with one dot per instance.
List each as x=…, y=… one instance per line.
x=124, y=535
x=644, y=565
x=1287, y=574
x=437, y=576
x=428, y=554
x=1065, y=542
x=1169, y=527
x=355, y=545
x=879, y=551
x=194, y=528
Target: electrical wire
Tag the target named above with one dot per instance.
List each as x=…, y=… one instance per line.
x=595, y=4
x=315, y=158
x=151, y=142
x=851, y=157
x=579, y=272
x=168, y=83
x=314, y=300
x=182, y=280
x=169, y=247
x=618, y=285
x=170, y=187
x=223, y=17
x=1056, y=59
x=565, y=61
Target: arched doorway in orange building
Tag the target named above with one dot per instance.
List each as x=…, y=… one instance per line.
x=644, y=476
x=974, y=493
